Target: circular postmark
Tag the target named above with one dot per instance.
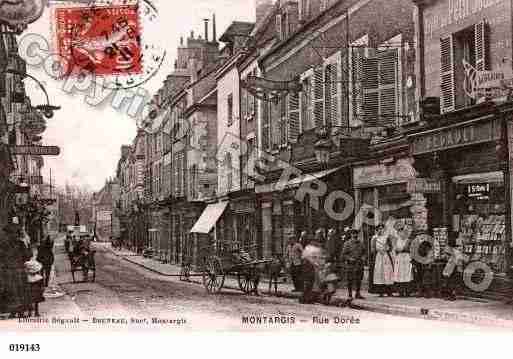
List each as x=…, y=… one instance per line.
x=106, y=40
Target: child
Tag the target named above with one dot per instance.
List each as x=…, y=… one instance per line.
x=35, y=284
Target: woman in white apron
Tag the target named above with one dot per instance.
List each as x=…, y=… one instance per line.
x=402, y=263
x=383, y=264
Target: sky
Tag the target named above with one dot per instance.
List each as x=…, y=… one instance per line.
x=90, y=137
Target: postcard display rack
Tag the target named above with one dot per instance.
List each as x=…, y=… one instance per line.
x=483, y=237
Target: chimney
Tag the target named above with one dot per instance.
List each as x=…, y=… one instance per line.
x=262, y=8
x=206, y=29
x=214, y=30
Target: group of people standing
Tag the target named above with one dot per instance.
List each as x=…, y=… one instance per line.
x=316, y=264
x=25, y=269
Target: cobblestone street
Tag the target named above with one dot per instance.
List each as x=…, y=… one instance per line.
x=128, y=297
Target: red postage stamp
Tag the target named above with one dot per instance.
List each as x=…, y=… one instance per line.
x=103, y=40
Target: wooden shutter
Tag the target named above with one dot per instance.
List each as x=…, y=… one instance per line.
x=318, y=97
x=332, y=94
x=275, y=125
x=283, y=121
x=481, y=46
x=370, y=89
x=356, y=81
x=446, y=74
x=388, y=87
x=306, y=104
x=266, y=128
x=294, y=118
x=278, y=26
x=255, y=100
x=327, y=95
x=244, y=103
x=343, y=88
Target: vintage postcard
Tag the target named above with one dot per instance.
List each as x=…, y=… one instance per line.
x=255, y=166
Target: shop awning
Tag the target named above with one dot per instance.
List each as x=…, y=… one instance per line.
x=209, y=217
x=295, y=182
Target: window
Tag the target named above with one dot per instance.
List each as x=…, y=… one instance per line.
x=376, y=101
x=229, y=104
x=460, y=54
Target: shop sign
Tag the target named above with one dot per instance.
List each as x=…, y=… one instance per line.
x=490, y=84
x=36, y=150
x=453, y=137
x=424, y=185
x=480, y=191
x=379, y=174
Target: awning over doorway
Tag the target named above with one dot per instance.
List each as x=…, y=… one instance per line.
x=295, y=182
x=209, y=217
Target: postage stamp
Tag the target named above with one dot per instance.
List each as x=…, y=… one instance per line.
x=104, y=40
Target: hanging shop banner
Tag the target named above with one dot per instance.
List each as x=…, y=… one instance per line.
x=381, y=174
x=424, y=185
x=21, y=12
x=489, y=84
x=456, y=136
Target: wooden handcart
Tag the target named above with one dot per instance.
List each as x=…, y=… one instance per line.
x=231, y=260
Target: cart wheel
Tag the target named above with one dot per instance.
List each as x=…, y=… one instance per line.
x=213, y=275
x=246, y=281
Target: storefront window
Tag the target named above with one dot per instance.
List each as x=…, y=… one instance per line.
x=479, y=217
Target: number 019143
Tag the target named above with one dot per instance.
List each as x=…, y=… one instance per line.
x=24, y=347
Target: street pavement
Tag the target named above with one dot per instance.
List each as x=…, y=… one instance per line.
x=127, y=296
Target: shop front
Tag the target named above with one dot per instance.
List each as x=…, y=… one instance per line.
x=384, y=194
x=474, y=200
x=309, y=202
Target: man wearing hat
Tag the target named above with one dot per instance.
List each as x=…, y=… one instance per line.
x=353, y=256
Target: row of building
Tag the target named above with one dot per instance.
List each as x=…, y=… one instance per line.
x=327, y=114
x=25, y=197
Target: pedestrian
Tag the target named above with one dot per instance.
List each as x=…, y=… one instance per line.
x=453, y=270
x=46, y=257
x=353, y=255
x=314, y=259
x=333, y=246
x=403, y=265
x=421, y=250
x=14, y=254
x=383, y=277
x=35, y=283
x=294, y=263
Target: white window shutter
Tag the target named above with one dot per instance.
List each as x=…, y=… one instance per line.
x=388, y=87
x=481, y=46
x=370, y=89
x=327, y=95
x=318, y=97
x=447, y=101
x=294, y=119
x=356, y=83
x=335, y=92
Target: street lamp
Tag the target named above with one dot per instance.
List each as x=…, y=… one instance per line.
x=47, y=109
